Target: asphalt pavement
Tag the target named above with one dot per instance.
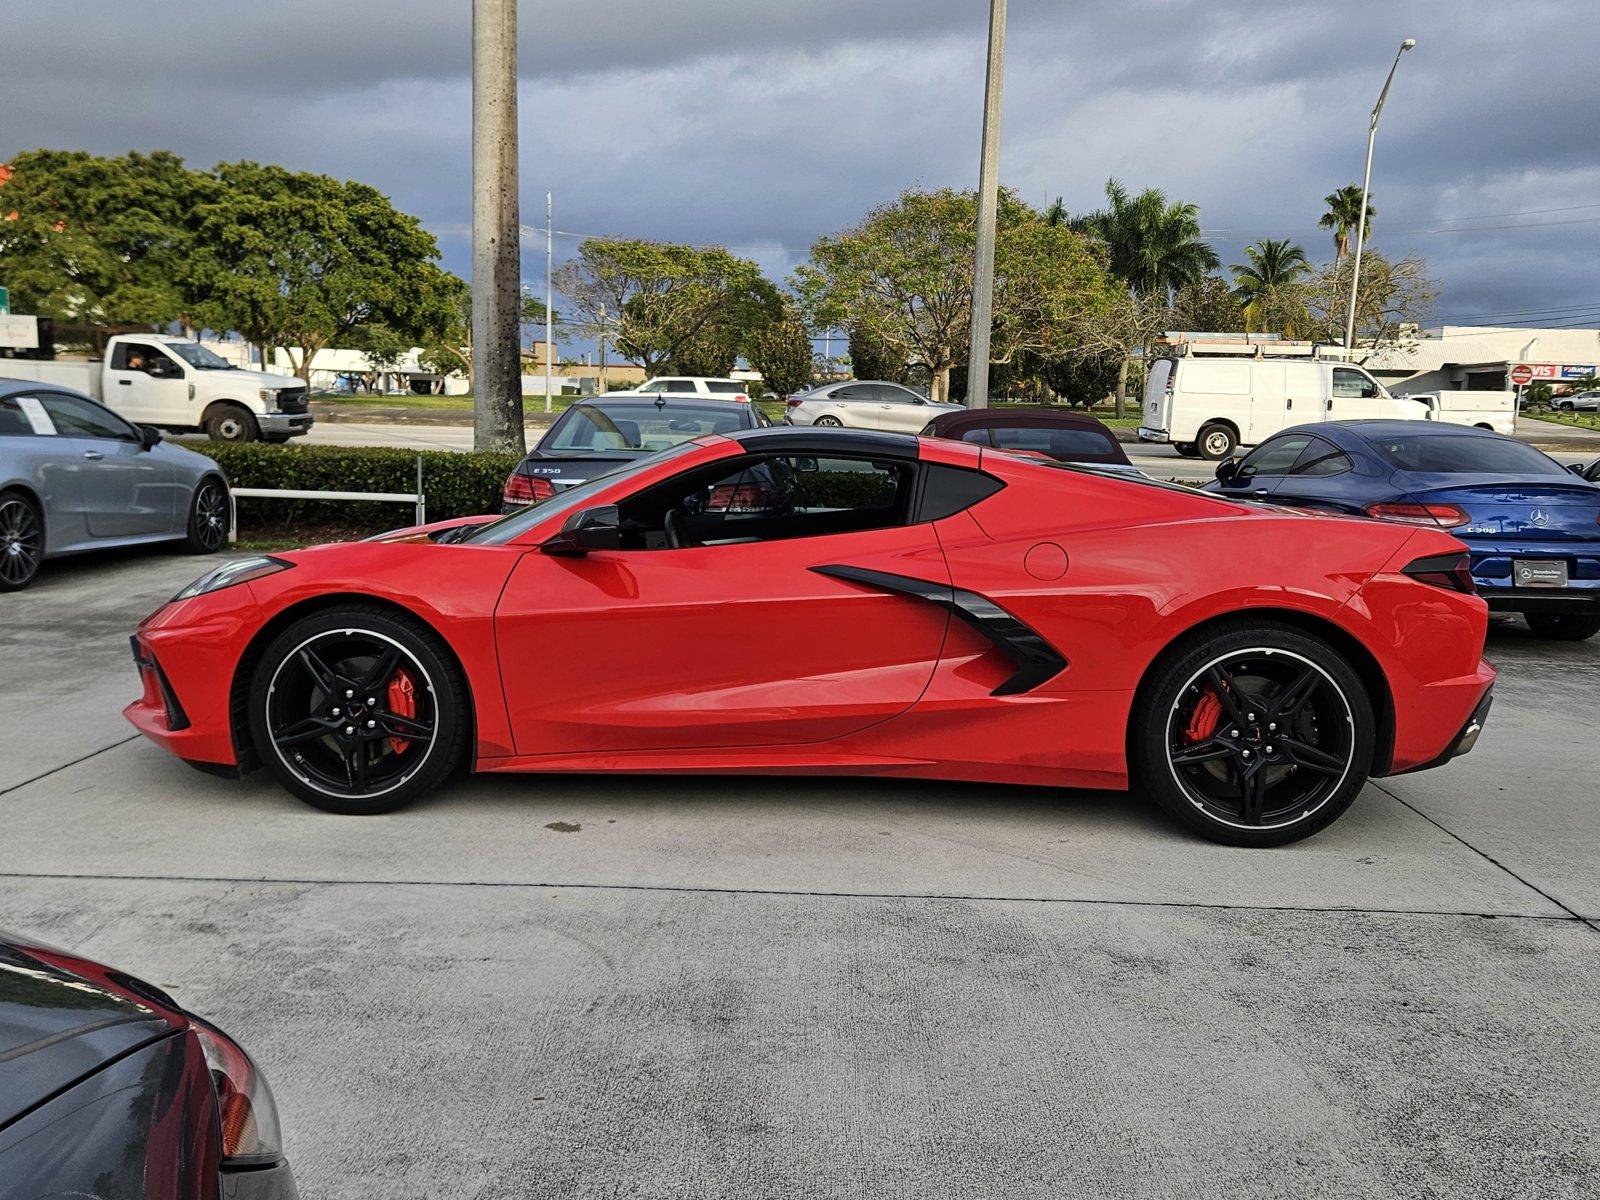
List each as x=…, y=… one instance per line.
x=594, y=986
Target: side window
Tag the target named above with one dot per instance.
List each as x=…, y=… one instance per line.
x=1353, y=385
x=1321, y=459
x=978, y=437
x=768, y=498
x=655, y=385
x=853, y=391
x=723, y=387
x=1274, y=457
x=886, y=393
x=137, y=356
x=14, y=420
x=75, y=417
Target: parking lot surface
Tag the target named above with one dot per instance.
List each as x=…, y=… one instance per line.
x=605, y=987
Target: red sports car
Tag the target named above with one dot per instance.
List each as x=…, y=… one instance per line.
x=815, y=601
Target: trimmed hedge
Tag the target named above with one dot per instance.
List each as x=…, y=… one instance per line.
x=456, y=485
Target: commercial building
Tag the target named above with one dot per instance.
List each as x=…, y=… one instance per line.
x=1481, y=357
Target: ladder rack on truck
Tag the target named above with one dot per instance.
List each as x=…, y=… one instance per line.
x=1250, y=345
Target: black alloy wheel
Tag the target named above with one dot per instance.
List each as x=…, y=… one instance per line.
x=1257, y=738
x=21, y=541
x=358, y=710
x=208, y=518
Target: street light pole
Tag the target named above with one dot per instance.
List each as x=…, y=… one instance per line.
x=549, y=298
x=988, y=213
x=1366, y=188
x=496, y=234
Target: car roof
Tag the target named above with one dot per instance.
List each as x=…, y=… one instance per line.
x=663, y=400
x=969, y=418
x=778, y=438
x=1363, y=431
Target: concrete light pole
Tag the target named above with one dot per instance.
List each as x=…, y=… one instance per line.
x=988, y=213
x=549, y=298
x=1366, y=187
x=496, y=231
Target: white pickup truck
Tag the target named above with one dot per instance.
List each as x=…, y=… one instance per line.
x=179, y=385
x=1486, y=410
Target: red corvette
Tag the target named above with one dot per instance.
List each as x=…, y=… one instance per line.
x=826, y=601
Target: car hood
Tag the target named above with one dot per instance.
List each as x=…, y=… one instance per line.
x=261, y=379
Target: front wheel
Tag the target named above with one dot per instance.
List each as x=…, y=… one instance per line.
x=231, y=423
x=1252, y=734
x=208, y=518
x=1217, y=442
x=358, y=710
x=21, y=541
x=1564, y=627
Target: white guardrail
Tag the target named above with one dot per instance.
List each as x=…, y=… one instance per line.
x=417, y=498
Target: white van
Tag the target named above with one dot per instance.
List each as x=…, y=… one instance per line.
x=1210, y=406
x=1486, y=410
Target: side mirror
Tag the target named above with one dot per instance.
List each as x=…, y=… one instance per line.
x=585, y=530
x=1226, y=470
x=1578, y=469
x=149, y=436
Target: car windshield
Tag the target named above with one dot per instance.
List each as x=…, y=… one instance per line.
x=495, y=533
x=198, y=357
x=1448, y=454
x=626, y=428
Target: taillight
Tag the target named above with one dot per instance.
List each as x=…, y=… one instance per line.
x=527, y=489
x=1452, y=571
x=249, y=1117
x=741, y=399
x=793, y=402
x=1435, y=516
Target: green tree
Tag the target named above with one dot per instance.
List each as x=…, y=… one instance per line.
x=1268, y=286
x=1343, y=215
x=667, y=304
x=1155, y=245
x=100, y=240
x=305, y=262
x=781, y=351
x=873, y=358
x=1208, y=306
x=903, y=276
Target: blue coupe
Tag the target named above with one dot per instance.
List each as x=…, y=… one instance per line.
x=1532, y=525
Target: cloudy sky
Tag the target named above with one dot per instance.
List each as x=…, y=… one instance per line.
x=761, y=124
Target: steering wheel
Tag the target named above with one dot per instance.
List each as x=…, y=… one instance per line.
x=677, y=536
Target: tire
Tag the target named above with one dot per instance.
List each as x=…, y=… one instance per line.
x=21, y=540
x=829, y=422
x=1564, y=627
x=356, y=762
x=1566, y=406
x=1187, y=449
x=207, y=530
x=1299, y=782
x=1217, y=441
x=231, y=423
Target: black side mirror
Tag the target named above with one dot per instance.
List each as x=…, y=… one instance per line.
x=149, y=436
x=1226, y=470
x=585, y=530
x=1578, y=469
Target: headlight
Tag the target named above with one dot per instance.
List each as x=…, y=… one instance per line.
x=229, y=574
x=269, y=395
x=249, y=1116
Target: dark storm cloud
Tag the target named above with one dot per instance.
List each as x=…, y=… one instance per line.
x=764, y=124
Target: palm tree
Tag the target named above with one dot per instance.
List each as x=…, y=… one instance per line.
x=1265, y=284
x=1056, y=213
x=1155, y=244
x=1344, y=211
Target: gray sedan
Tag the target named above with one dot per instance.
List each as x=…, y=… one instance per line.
x=75, y=476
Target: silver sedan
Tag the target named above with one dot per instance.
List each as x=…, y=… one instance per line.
x=75, y=476
x=864, y=404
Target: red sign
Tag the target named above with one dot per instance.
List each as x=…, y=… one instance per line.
x=1521, y=375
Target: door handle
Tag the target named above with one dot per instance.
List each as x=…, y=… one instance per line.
x=1291, y=402
x=1261, y=493
x=124, y=383
x=93, y=455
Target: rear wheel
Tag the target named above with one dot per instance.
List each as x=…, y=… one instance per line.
x=357, y=710
x=208, y=518
x=1217, y=441
x=1252, y=734
x=231, y=423
x=1564, y=627
x=21, y=541
x=829, y=422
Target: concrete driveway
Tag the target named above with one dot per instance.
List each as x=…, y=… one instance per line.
x=606, y=987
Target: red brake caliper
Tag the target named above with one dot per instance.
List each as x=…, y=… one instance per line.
x=1203, y=721
x=402, y=702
